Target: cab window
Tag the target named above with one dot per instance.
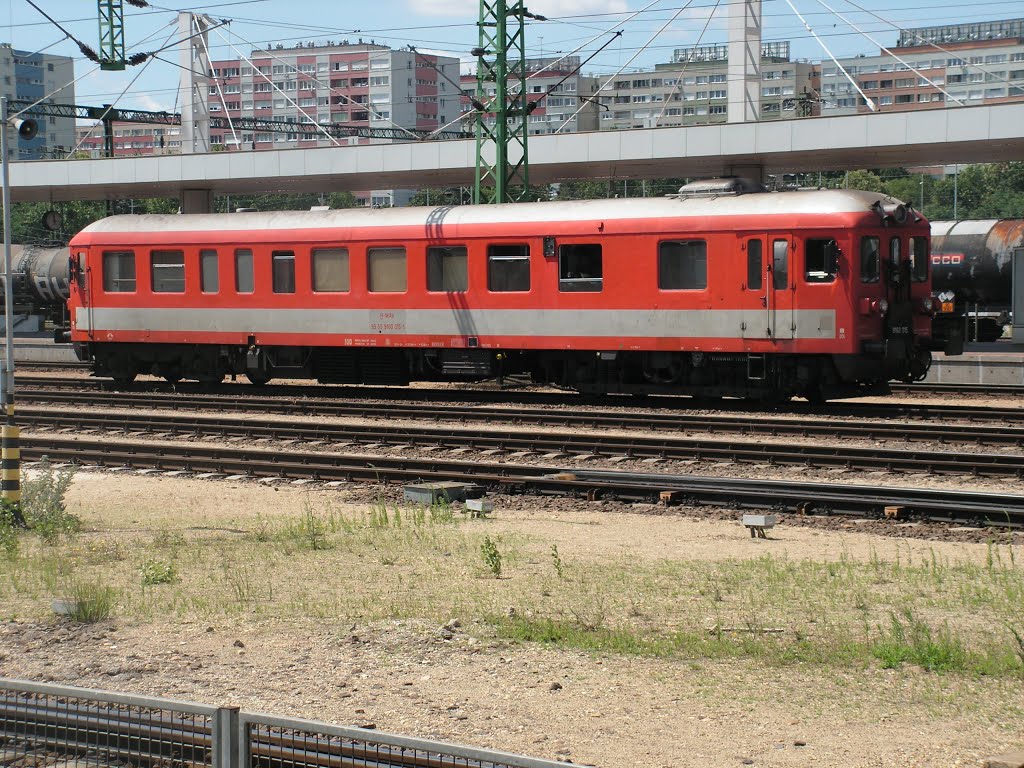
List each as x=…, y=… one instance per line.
x=780, y=264
x=869, y=261
x=755, y=265
x=330, y=271
x=119, y=271
x=821, y=260
x=245, y=280
x=579, y=268
x=386, y=270
x=167, y=271
x=683, y=265
x=447, y=269
x=209, y=277
x=283, y=271
x=508, y=268
x=919, y=259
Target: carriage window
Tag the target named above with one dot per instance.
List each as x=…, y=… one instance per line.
x=821, y=261
x=755, y=265
x=683, y=266
x=119, y=271
x=386, y=270
x=508, y=267
x=330, y=270
x=167, y=271
x=919, y=259
x=244, y=280
x=780, y=264
x=283, y=271
x=209, y=277
x=894, y=251
x=447, y=269
x=869, y=268
x=579, y=268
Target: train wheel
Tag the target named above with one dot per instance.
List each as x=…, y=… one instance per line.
x=124, y=380
x=172, y=378
x=257, y=378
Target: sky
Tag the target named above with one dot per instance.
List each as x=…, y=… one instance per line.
x=651, y=30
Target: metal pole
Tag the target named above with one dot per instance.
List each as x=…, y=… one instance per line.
x=956, y=176
x=10, y=449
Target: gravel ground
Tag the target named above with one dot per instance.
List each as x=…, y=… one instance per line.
x=460, y=683
x=465, y=685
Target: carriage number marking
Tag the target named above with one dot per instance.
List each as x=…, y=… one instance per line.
x=387, y=321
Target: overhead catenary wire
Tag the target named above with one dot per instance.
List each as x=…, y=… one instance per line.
x=689, y=58
x=274, y=86
x=220, y=93
x=893, y=54
x=867, y=100
x=964, y=62
x=110, y=107
x=632, y=58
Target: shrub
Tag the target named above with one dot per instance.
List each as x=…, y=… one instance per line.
x=491, y=556
x=42, y=502
x=92, y=602
x=9, y=525
x=158, y=572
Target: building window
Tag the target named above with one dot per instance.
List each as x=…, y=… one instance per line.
x=209, y=277
x=119, y=271
x=244, y=279
x=386, y=270
x=283, y=271
x=683, y=265
x=508, y=268
x=580, y=268
x=447, y=269
x=167, y=271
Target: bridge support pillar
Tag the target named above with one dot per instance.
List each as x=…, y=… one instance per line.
x=744, y=68
x=196, y=201
x=753, y=172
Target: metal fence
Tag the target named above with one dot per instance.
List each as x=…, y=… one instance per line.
x=65, y=727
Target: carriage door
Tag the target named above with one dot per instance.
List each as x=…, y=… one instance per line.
x=756, y=320
x=779, y=286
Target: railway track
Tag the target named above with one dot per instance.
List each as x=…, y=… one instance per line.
x=573, y=445
x=995, y=390
x=71, y=402
x=35, y=385
x=993, y=509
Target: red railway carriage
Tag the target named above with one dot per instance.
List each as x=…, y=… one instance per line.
x=821, y=294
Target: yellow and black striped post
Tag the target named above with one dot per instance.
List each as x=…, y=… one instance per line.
x=10, y=455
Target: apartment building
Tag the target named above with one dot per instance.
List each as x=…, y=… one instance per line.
x=26, y=76
x=932, y=68
x=357, y=85
x=129, y=139
x=562, y=96
x=692, y=89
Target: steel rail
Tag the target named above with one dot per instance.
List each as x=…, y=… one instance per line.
x=668, y=403
x=676, y=422
x=936, y=505
x=638, y=447
x=995, y=390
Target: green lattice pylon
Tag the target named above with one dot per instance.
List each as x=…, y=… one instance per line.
x=502, y=163
x=111, y=13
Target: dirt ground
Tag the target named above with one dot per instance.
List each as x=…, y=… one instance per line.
x=462, y=684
